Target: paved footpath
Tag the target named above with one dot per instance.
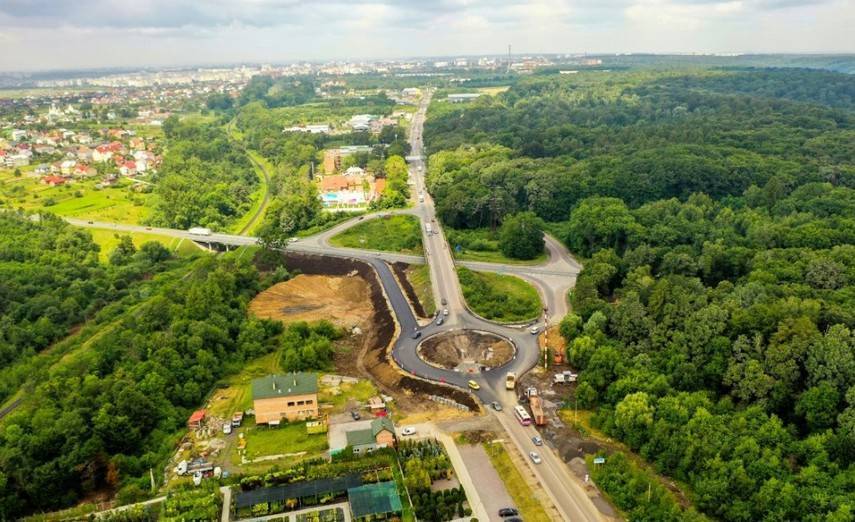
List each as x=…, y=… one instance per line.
x=489, y=485
x=463, y=476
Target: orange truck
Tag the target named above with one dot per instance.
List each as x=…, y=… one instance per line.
x=536, y=406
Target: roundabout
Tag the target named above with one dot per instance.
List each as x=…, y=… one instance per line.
x=466, y=351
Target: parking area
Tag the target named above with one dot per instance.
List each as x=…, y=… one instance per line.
x=490, y=487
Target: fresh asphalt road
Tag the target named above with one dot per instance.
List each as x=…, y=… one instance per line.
x=552, y=279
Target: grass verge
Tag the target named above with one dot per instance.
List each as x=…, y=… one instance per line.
x=499, y=297
x=482, y=244
x=419, y=277
x=400, y=234
x=515, y=484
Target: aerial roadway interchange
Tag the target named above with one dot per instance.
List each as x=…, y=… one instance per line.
x=552, y=279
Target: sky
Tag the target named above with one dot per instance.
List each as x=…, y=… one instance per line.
x=66, y=34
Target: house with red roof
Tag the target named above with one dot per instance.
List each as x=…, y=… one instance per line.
x=53, y=181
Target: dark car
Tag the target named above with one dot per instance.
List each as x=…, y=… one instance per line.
x=513, y=519
x=354, y=414
x=508, y=512
x=444, y=301
x=496, y=406
x=417, y=334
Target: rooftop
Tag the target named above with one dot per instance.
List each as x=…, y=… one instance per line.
x=299, y=383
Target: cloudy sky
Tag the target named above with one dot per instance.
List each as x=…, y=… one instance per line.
x=51, y=34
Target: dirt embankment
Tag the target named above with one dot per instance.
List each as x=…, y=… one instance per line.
x=400, y=271
x=374, y=356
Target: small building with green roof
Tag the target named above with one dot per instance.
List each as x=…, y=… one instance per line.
x=380, y=434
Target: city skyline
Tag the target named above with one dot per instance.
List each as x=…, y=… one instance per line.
x=153, y=33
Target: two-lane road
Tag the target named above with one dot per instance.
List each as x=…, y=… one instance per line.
x=553, y=279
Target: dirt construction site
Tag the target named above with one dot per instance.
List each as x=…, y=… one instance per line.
x=338, y=299
x=361, y=303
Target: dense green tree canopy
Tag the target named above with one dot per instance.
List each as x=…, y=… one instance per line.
x=521, y=236
x=713, y=318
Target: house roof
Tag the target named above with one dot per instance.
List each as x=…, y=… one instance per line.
x=298, y=383
x=197, y=416
x=361, y=437
x=382, y=423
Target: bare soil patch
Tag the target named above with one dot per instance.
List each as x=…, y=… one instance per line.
x=342, y=300
x=466, y=348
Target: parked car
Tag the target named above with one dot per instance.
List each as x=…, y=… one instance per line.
x=293, y=240
x=496, y=406
x=409, y=430
x=474, y=385
x=537, y=440
x=535, y=457
x=513, y=519
x=508, y=512
x=354, y=414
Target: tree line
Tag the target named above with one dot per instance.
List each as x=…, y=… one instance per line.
x=715, y=215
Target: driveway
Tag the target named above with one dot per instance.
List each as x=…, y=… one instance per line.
x=490, y=487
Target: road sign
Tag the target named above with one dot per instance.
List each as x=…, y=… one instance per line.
x=599, y=460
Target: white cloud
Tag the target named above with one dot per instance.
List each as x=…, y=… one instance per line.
x=59, y=34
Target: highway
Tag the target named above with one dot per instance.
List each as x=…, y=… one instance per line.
x=552, y=279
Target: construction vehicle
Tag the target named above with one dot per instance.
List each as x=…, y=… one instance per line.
x=536, y=405
x=510, y=380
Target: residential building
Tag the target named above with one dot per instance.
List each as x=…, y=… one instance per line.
x=332, y=157
x=463, y=97
x=380, y=434
x=53, y=181
x=320, y=128
x=293, y=396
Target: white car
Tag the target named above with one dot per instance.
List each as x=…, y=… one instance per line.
x=445, y=311
x=535, y=457
x=409, y=430
x=293, y=240
x=227, y=428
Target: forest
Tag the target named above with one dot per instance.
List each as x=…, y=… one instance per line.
x=51, y=280
x=116, y=405
x=205, y=179
x=714, y=214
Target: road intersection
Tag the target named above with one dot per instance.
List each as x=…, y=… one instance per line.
x=552, y=279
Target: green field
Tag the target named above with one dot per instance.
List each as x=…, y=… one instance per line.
x=264, y=441
x=79, y=199
x=109, y=239
x=397, y=233
x=498, y=297
x=360, y=391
